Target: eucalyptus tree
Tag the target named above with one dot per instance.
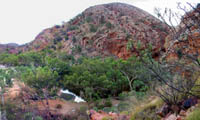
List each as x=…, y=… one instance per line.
x=5, y=82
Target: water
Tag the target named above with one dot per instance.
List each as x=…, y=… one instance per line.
x=77, y=98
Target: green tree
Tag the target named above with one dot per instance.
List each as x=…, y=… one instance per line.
x=134, y=70
x=96, y=78
x=5, y=81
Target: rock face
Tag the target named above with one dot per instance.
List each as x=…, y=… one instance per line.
x=186, y=38
x=104, y=30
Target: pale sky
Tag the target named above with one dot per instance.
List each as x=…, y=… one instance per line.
x=22, y=20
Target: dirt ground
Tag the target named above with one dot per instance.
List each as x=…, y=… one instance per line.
x=57, y=106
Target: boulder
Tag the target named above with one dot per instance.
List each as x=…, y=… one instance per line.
x=189, y=103
x=163, y=111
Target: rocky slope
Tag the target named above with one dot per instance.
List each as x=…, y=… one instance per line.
x=186, y=37
x=104, y=30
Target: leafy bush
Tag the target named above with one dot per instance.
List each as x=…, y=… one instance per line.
x=57, y=39
x=76, y=49
x=109, y=25
x=59, y=106
x=96, y=78
x=73, y=27
x=9, y=59
x=102, y=20
x=93, y=28
x=66, y=37
x=89, y=19
x=74, y=39
x=40, y=79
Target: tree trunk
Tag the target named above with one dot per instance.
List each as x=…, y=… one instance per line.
x=3, y=112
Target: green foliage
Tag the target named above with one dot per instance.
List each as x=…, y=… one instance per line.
x=74, y=39
x=102, y=20
x=109, y=25
x=31, y=116
x=28, y=116
x=136, y=73
x=66, y=37
x=66, y=58
x=89, y=19
x=93, y=28
x=40, y=79
x=13, y=112
x=31, y=58
x=76, y=49
x=96, y=78
x=9, y=59
x=129, y=45
x=5, y=79
x=123, y=95
x=72, y=27
x=38, y=118
x=57, y=39
x=140, y=86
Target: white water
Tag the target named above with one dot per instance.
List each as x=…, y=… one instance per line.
x=77, y=98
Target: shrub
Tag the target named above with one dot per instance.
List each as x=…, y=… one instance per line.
x=28, y=116
x=74, y=39
x=109, y=25
x=93, y=28
x=96, y=78
x=102, y=20
x=41, y=79
x=38, y=118
x=89, y=19
x=73, y=27
x=76, y=49
x=195, y=115
x=123, y=95
x=58, y=106
x=66, y=37
x=108, y=103
x=57, y=39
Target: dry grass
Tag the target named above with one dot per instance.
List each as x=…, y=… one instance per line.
x=194, y=115
x=147, y=109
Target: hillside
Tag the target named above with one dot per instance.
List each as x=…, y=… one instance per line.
x=186, y=37
x=45, y=78
x=103, y=30
x=8, y=47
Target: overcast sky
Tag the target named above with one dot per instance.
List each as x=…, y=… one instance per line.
x=22, y=20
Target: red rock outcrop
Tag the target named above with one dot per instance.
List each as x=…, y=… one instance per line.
x=186, y=38
x=104, y=30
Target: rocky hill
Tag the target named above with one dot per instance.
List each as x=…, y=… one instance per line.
x=104, y=30
x=185, y=39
